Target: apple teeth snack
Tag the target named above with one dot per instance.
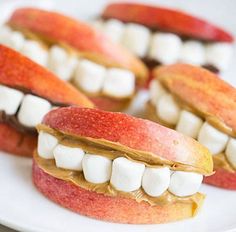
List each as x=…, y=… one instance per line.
x=118, y=168
x=77, y=53
x=199, y=104
x=160, y=35
x=27, y=93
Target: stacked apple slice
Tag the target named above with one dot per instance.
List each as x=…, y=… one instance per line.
x=199, y=104
x=27, y=93
x=115, y=167
x=166, y=36
x=75, y=52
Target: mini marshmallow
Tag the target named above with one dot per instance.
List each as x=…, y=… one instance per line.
x=167, y=109
x=34, y=51
x=165, y=48
x=156, y=181
x=65, y=71
x=189, y=124
x=96, y=168
x=136, y=38
x=119, y=83
x=126, y=175
x=184, y=184
x=32, y=110
x=90, y=76
x=212, y=138
x=113, y=29
x=57, y=56
x=60, y=63
x=156, y=91
x=68, y=157
x=16, y=40
x=219, y=55
x=193, y=52
x=46, y=144
x=231, y=152
x=10, y=99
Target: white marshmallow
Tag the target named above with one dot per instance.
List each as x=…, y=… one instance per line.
x=219, y=55
x=136, y=38
x=46, y=144
x=68, y=157
x=189, y=124
x=167, y=109
x=61, y=63
x=231, y=151
x=34, y=51
x=126, y=175
x=184, y=184
x=65, y=71
x=165, y=48
x=156, y=91
x=57, y=56
x=16, y=40
x=119, y=83
x=32, y=110
x=10, y=99
x=212, y=138
x=156, y=181
x=193, y=52
x=90, y=76
x=96, y=168
x=113, y=29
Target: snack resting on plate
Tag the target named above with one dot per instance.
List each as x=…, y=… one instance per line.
x=199, y=104
x=115, y=167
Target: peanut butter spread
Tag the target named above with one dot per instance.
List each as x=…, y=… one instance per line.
x=107, y=189
x=220, y=160
x=47, y=43
x=211, y=119
x=114, y=150
x=77, y=177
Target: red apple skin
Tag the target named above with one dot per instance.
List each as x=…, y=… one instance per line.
x=17, y=71
x=159, y=18
x=222, y=178
x=210, y=95
x=16, y=142
x=135, y=133
x=201, y=89
x=101, y=207
x=80, y=36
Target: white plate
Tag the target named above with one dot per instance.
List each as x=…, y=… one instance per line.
x=23, y=208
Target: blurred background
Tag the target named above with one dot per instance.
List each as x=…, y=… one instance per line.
x=221, y=13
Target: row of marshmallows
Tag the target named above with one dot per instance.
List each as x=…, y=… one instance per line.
x=30, y=109
x=190, y=124
x=88, y=76
x=125, y=175
x=166, y=48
